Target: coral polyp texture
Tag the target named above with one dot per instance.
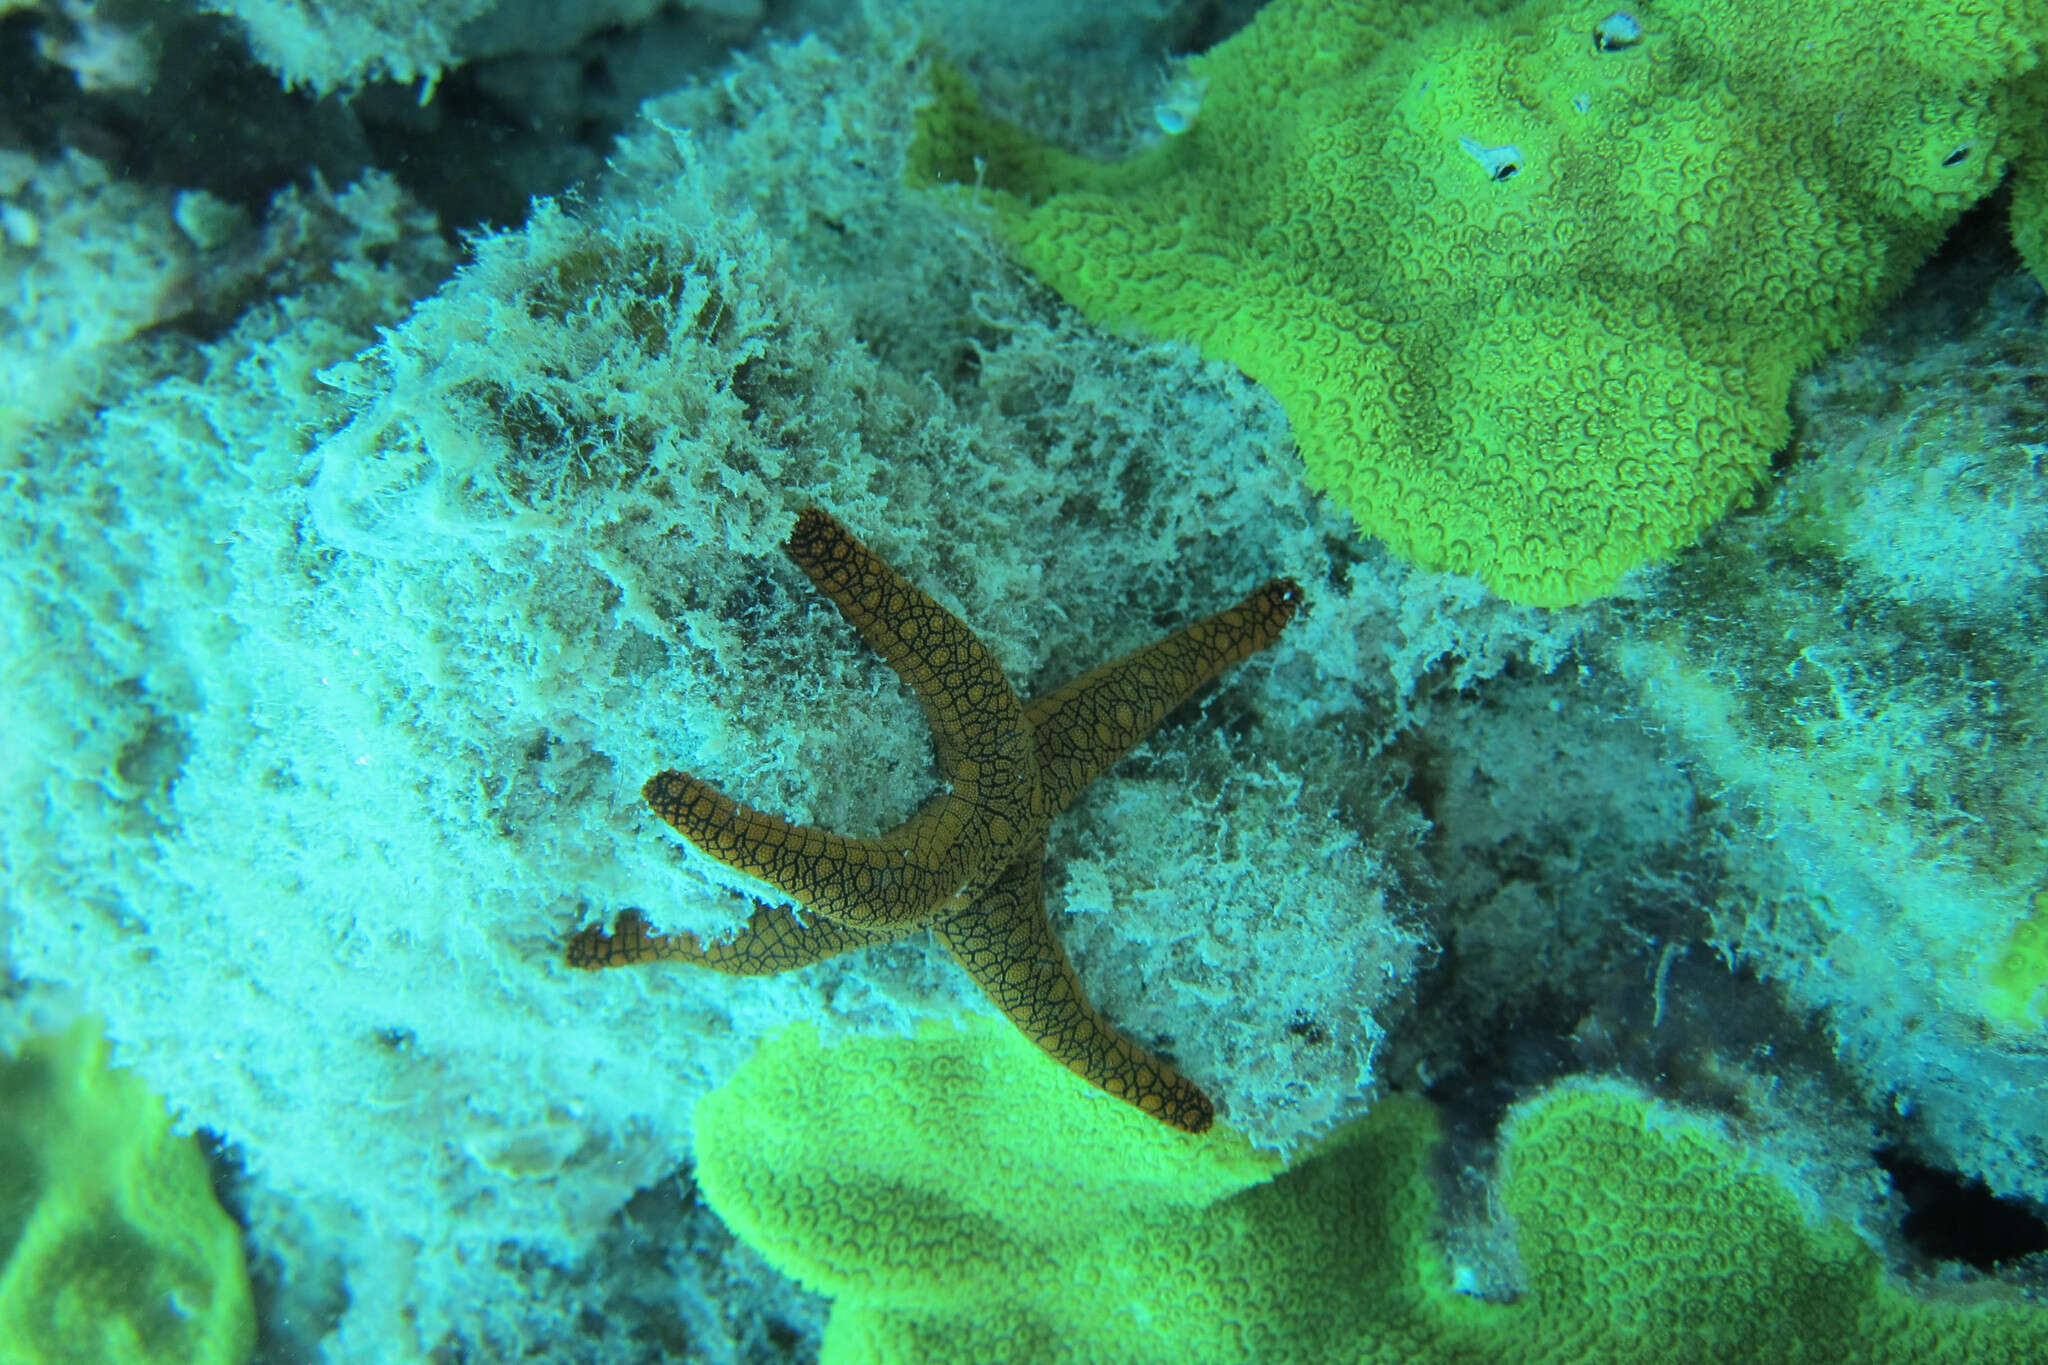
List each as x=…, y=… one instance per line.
x=1530, y=281
x=113, y=1250
x=964, y=1205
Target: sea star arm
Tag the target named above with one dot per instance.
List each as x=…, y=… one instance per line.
x=1006, y=944
x=977, y=721
x=1084, y=727
x=774, y=940
x=875, y=884
x=985, y=752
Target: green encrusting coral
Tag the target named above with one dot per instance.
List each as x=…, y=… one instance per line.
x=113, y=1250
x=2017, y=979
x=964, y=1201
x=1532, y=281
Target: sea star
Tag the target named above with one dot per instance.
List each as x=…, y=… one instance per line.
x=967, y=865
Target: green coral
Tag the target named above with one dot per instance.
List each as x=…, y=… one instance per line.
x=2018, y=976
x=999, y=1198
x=113, y=1250
x=1531, y=282
x=966, y=1202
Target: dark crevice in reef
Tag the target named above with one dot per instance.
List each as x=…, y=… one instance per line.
x=205, y=117
x=491, y=135
x=1950, y=1217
